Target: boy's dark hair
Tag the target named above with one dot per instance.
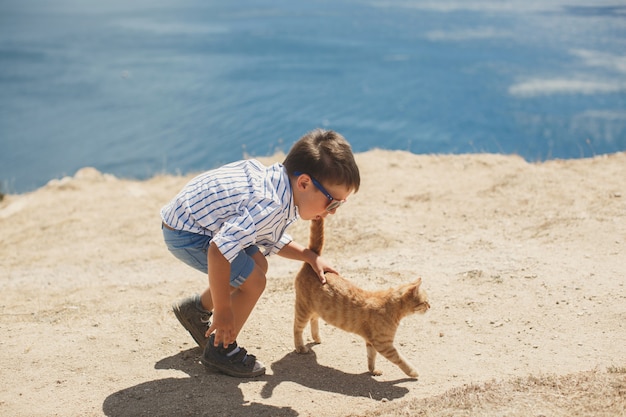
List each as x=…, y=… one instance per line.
x=326, y=156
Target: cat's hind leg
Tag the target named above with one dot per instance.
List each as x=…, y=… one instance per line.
x=391, y=353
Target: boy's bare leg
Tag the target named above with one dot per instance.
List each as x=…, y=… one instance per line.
x=244, y=298
x=206, y=300
x=197, y=318
x=232, y=359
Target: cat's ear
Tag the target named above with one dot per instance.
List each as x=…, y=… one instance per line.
x=415, y=287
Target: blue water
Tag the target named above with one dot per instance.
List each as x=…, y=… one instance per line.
x=177, y=86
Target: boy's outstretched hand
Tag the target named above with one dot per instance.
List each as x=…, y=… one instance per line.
x=321, y=267
x=224, y=327
x=293, y=250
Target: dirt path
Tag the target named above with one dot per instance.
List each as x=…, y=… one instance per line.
x=525, y=266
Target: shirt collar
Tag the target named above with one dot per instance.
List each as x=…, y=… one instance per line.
x=292, y=209
x=282, y=188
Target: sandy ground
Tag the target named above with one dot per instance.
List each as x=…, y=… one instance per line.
x=525, y=266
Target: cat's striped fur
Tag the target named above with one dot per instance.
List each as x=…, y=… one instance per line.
x=374, y=315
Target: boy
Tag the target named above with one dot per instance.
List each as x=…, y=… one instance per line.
x=226, y=221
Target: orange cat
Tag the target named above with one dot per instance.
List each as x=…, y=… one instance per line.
x=374, y=315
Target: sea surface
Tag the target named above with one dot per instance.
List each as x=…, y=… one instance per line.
x=137, y=88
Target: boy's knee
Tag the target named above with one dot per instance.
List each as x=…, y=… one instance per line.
x=255, y=282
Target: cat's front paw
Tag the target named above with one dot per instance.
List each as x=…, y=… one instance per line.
x=376, y=372
x=412, y=373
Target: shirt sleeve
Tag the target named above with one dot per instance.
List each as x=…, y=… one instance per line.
x=284, y=240
x=236, y=233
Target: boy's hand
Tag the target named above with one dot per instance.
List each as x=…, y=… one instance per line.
x=320, y=267
x=224, y=327
x=293, y=250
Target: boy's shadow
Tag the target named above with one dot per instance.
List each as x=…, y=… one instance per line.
x=215, y=394
x=202, y=393
x=304, y=370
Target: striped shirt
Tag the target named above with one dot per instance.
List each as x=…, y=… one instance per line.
x=239, y=205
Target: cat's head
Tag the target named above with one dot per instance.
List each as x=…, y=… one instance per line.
x=416, y=297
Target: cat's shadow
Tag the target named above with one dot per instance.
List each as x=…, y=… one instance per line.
x=303, y=369
x=196, y=393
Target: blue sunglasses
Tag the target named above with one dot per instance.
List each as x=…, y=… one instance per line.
x=333, y=202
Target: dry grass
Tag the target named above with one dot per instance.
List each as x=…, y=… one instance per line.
x=591, y=393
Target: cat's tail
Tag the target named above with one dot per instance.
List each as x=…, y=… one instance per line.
x=316, y=235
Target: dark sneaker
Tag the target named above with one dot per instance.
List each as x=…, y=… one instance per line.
x=233, y=360
x=194, y=318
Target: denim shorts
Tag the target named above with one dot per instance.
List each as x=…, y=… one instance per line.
x=192, y=249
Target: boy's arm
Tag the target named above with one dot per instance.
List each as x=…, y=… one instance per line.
x=297, y=252
x=219, y=282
